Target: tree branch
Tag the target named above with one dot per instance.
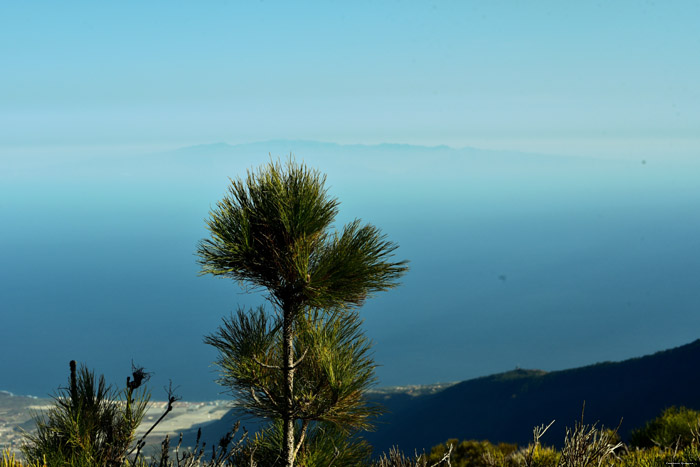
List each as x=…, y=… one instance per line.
x=269, y=396
x=445, y=458
x=304, y=427
x=265, y=365
x=255, y=396
x=171, y=399
x=296, y=364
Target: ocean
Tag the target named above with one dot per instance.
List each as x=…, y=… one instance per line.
x=517, y=260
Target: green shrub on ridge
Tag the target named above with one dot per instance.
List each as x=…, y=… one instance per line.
x=674, y=428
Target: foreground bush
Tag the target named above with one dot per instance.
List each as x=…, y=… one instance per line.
x=324, y=445
x=90, y=423
x=396, y=458
x=672, y=438
x=10, y=460
x=674, y=428
x=470, y=452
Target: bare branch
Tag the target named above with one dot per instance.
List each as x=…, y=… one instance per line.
x=172, y=398
x=445, y=458
x=537, y=433
x=269, y=396
x=255, y=396
x=304, y=427
x=296, y=364
x=265, y=365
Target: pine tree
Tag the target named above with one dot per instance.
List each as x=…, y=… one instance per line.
x=308, y=361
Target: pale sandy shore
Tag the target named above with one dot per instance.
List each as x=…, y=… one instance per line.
x=16, y=417
x=184, y=416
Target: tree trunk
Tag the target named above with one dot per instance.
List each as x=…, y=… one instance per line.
x=288, y=372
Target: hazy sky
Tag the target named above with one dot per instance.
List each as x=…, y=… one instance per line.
x=596, y=78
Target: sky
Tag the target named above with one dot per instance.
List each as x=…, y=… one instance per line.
x=607, y=79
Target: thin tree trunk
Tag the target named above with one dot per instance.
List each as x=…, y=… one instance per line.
x=288, y=372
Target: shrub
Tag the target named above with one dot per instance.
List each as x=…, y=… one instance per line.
x=89, y=424
x=470, y=452
x=535, y=455
x=9, y=459
x=396, y=458
x=325, y=444
x=588, y=445
x=657, y=457
x=675, y=427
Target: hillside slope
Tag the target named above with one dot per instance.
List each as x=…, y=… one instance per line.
x=505, y=407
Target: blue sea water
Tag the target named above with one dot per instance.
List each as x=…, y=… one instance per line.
x=516, y=260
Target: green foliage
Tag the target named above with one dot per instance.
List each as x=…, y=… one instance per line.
x=331, y=378
x=675, y=427
x=337, y=371
x=273, y=230
x=657, y=457
x=396, y=458
x=228, y=452
x=310, y=362
x=9, y=459
x=324, y=445
x=248, y=358
x=531, y=456
x=586, y=445
x=89, y=424
x=468, y=453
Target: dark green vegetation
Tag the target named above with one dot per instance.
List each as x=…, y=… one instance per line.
x=89, y=424
x=674, y=427
x=504, y=407
x=306, y=362
x=672, y=437
x=92, y=425
x=324, y=445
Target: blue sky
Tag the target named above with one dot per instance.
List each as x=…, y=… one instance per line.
x=614, y=79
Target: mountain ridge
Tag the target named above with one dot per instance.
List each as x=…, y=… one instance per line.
x=504, y=407
x=222, y=145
